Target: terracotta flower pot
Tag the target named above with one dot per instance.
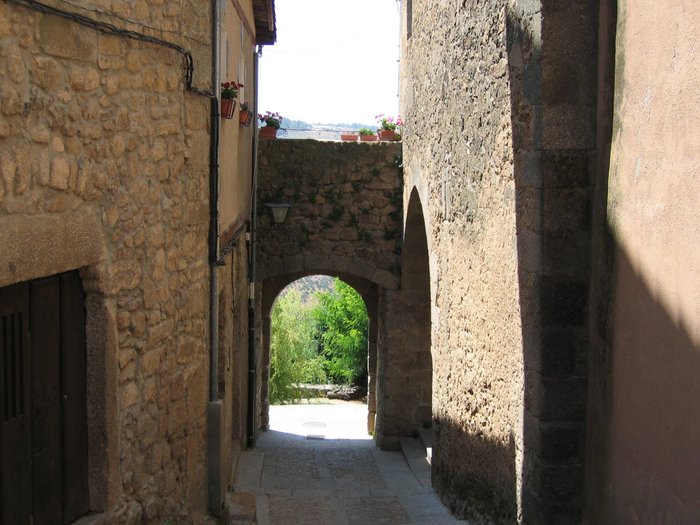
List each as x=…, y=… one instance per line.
x=368, y=138
x=349, y=137
x=268, y=132
x=228, y=106
x=245, y=118
x=387, y=134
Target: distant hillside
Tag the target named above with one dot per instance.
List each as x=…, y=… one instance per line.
x=299, y=129
x=308, y=286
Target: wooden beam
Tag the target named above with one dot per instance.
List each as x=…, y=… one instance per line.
x=246, y=23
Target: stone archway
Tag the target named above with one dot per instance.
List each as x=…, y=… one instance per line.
x=415, y=291
x=345, y=222
x=369, y=291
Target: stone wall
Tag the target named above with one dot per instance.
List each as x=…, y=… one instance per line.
x=458, y=155
x=498, y=146
x=104, y=164
x=346, y=222
x=346, y=208
x=233, y=353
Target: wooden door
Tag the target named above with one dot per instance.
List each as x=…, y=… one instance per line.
x=48, y=481
x=15, y=447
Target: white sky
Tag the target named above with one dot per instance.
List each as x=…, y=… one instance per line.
x=334, y=61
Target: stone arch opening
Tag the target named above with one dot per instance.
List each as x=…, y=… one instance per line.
x=415, y=289
x=368, y=291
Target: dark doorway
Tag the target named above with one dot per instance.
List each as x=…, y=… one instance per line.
x=43, y=438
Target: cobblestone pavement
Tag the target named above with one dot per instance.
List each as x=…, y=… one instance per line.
x=318, y=466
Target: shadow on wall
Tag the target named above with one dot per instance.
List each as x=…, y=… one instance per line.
x=553, y=156
x=491, y=491
x=645, y=391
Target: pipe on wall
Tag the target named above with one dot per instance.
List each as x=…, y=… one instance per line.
x=252, y=368
x=214, y=209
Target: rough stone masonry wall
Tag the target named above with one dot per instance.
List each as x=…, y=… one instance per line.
x=233, y=349
x=103, y=163
x=346, y=214
x=498, y=99
x=345, y=221
x=458, y=153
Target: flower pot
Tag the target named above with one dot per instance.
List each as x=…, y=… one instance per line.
x=368, y=138
x=387, y=134
x=349, y=137
x=228, y=105
x=245, y=118
x=268, y=132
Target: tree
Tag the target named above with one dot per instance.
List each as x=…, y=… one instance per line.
x=341, y=333
x=293, y=356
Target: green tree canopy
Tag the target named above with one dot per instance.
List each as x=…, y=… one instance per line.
x=341, y=333
x=293, y=356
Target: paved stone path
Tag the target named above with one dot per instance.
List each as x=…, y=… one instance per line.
x=318, y=466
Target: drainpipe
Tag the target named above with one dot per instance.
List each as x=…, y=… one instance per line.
x=215, y=436
x=214, y=210
x=252, y=387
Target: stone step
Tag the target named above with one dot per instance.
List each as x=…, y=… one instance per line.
x=241, y=508
x=414, y=453
x=425, y=436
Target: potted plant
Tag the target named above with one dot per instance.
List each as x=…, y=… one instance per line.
x=388, y=127
x=245, y=115
x=272, y=122
x=229, y=94
x=367, y=135
x=348, y=136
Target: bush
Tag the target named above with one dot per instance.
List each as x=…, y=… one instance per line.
x=293, y=356
x=341, y=334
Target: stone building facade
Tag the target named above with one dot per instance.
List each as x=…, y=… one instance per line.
x=345, y=221
x=539, y=145
x=106, y=118
x=537, y=305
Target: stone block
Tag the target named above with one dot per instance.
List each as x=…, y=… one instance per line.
x=151, y=361
x=565, y=254
x=11, y=100
x=83, y=78
x=563, y=302
x=385, y=279
x=315, y=262
x=556, y=482
x=566, y=81
x=566, y=209
x=555, y=399
x=8, y=170
x=241, y=506
x=568, y=127
x=129, y=394
x=60, y=173
x=559, y=441
x=559, y=354
x=60, y=37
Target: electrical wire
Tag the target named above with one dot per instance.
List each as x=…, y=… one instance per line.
x=132, y=22
x=106, y=28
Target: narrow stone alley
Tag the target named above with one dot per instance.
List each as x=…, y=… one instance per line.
x=318, y=466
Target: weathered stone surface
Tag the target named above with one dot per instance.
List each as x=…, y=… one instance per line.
x=505, y=194
x=77, y=192
x=343, y=220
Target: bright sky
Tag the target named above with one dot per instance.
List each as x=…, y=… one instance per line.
x=334, y=61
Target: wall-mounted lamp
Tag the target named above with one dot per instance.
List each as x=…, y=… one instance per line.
x=278, y=210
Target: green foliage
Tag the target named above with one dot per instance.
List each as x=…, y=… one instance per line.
x=293, y=356
x=341, y=333
x=310, y=342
